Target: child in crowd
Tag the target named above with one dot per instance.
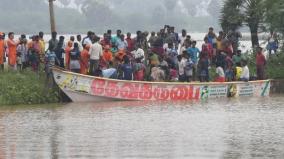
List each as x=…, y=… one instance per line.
x=245, y=71
x=139, y=70
x=204, y=67
x=188, y=68
x=220, y=74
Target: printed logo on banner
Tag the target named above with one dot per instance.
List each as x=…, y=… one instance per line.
x=143, y=91
x=218, y=91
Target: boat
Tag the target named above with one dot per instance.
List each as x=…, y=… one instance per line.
x=84, y=88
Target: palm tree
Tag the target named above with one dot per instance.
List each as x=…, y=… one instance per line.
x=274, y=15
x=253, y=13
x=235, y=13
x=231, y=18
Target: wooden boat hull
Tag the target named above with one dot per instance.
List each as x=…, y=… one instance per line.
x=82, y=88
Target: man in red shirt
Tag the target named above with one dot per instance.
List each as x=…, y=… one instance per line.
x=260, y=64
x=130, y=43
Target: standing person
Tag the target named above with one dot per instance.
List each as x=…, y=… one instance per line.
x=95, y=52
x=126, y=69
x=273, y=43
x=188, y=67
x=220, y=74
x=50, y=60
x=219, y=41
x=152, y=39
x=237, y=58
x=75, y=59
x=194, y=52
x=59, y=51
x=260, y=64
x=67, y=54
x=2, y=51
x=181, y=66
x=12, y=51
x=203, y=66
x=116, y=38
x=245, y=71
x=211, y=36
x=42, y=46
x=208, y=47
x=122, y=44
x=35, y=54
x=182, y=37
x=105, y=41
x=84, y=60
x=233, y=37
x=182, y=40
x=88, y=39
x=212, y=41
x=79, y=41
x=138, y=53
x=22, y=53
x=130, y=42
x=53, y=41
x=139, y=70
x=107, y=57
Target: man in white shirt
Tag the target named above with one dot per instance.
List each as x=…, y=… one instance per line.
x=138, y=53
x=95, y=52
x=181, y=66
x=88, y=39
x=79, y=41
x=245, y=72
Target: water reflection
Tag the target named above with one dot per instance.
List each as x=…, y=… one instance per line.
x=221, y=128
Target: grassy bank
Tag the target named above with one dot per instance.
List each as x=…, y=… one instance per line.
x=274, y=68
x=25, y=88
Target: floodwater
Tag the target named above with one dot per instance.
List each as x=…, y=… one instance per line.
x=217, y=128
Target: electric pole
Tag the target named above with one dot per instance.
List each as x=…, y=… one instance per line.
x=52, y=18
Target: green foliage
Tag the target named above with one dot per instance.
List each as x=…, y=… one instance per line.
x=25, y=88
x=274, y=16
x=274, y=67
x=231, y=17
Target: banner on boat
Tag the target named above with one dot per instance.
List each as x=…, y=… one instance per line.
x=158, y=91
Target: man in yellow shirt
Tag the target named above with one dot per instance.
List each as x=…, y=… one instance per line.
x=42, y=46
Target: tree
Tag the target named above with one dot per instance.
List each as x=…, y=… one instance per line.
x=274, y=15
x=231, y=17
x=235, y=13
x=253, y=17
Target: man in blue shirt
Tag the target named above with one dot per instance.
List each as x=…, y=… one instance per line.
x=126, y=69
x=194, y=52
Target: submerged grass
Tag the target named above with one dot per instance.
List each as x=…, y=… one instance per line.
x=25, y=87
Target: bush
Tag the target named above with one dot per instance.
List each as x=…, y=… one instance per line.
x=25, y=87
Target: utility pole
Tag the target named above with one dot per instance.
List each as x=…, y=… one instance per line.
x=52, y=18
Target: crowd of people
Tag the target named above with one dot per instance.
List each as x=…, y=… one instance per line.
x=157, y=56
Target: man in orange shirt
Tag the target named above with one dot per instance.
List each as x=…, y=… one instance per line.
x=12, y=51
x=107, y=55
x=67, y=54
x=2, y=51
